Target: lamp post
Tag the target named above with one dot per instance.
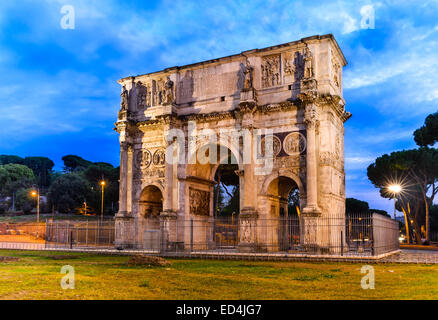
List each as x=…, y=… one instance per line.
x=102, y=183
x=36, y=193
x=395, y=189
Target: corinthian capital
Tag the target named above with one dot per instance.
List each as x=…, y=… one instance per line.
x=311, y=115
x=125, y=146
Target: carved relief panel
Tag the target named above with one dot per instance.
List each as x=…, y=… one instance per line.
x=143, y=95
x=289, y=67
x=149, y=163
x=336, y=71
x=199, y=202
x=271, y=69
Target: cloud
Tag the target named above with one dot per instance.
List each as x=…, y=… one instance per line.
x=61, y=84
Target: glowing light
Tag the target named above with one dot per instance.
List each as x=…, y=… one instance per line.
x=395, y=188
x=33, y=193
x=102, y=183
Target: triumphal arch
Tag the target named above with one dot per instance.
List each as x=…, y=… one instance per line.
x=278, y=113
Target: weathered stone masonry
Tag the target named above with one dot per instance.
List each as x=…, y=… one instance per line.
x=295, y=89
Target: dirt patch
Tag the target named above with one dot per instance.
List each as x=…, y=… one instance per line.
x=148, y=261
x=7, y=259
x=62, y=257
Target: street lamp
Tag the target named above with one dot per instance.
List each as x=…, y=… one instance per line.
x=102, y=183
x=36, y=193
x=395, y=189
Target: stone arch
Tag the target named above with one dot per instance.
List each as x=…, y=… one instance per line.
x=280, y=221
x=208, y=170
x=144, y=185
x=150, y=201
x=282, y=173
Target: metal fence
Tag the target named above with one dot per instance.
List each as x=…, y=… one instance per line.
x=86, y=234
x=352, y=235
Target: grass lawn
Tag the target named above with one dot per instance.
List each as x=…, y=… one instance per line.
x=32, y=218
x=36, y=275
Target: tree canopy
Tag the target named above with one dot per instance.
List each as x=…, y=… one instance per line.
x=7, y=159
x=74, y=163
x=427, y=135
x=14, y=177
x=416, y=170
x=69, y=192
x=356, y=206
x=41, y=167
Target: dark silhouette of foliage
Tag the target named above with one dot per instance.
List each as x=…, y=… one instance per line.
x=69, y=192
x=356, y=206
x=42, y=168
x=14, y=177
x=75, y=163
x=11, y=159
x=427, y=135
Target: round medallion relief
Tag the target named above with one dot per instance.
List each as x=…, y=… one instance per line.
x=294, y=143
x=143, y=159
x=159, y=157
x=276, y=146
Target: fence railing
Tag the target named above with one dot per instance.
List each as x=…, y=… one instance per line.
x=364, y=235
x=84, y=234
x=352, y=235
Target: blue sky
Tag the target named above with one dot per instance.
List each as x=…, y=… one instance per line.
x=58, y=90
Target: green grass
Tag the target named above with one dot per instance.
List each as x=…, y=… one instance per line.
x=32, y=218
x=37, y=276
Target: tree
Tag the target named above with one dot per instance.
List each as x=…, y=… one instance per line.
x=382, y=212
x=41, y=167
x=356, y=206
x=7, y=159
x=75, y=163
x=434, y=218
x=94, y=175
x=427, y=135
x=422, y=165
x=293, y=201
x=14, y=177
x=69, y=191
x=24, y=201
x=225, y=178
x=416, y=170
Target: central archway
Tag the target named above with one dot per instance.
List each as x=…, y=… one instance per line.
x=203, y=186
x=282, y=220
x=226, y=205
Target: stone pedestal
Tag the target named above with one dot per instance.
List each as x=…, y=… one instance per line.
x=168, y=230
x=248, y=95
x=125, y=231
x=248, y=230
x=309, y=232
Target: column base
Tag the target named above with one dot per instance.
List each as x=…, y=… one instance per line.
x=124, y=231
x=168, y=231
x=248, y=228
x=312, y=211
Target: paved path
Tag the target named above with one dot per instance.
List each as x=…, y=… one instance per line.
x=413, y=256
